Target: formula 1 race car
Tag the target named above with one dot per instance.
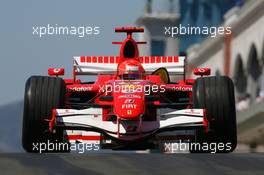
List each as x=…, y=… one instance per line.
x=132, y=105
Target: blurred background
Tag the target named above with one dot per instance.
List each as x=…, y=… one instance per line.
x=239, y=55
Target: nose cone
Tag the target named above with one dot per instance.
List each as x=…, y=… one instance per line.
x=129, y=104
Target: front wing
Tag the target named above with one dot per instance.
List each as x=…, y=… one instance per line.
x=91, y=120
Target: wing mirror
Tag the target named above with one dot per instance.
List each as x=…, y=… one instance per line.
x=202, y=71
x=56, y=71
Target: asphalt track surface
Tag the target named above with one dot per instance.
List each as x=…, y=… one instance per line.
x=132, y=164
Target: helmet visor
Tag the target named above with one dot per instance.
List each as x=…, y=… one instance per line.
x=131, y=76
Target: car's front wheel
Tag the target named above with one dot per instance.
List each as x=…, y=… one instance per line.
x=216, y=95
x=42, y=94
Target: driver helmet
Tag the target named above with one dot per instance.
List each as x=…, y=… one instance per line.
x=130, y=70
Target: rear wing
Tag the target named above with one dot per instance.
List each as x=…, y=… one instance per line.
x=93, y=65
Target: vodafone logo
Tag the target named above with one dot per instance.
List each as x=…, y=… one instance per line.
x=182, y=88
x=201, y=70
x=56, y=70
x=80, y=89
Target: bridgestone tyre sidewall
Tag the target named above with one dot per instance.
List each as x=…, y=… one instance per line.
x=216, y=95
x=42, y=94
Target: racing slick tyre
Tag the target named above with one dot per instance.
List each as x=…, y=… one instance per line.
x=42, y=94
x=216, y=95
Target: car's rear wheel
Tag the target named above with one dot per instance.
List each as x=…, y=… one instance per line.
x=42, y=94
x=216, y=96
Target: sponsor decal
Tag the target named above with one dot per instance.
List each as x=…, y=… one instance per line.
x=66, y=111
x=181, y=88
x=79, y=89
x=191, y=111
x=131, y=68
x=129, y=96
x=129, y=101
x=129, y=106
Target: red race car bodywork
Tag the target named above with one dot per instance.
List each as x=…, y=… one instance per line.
x=132, y=100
